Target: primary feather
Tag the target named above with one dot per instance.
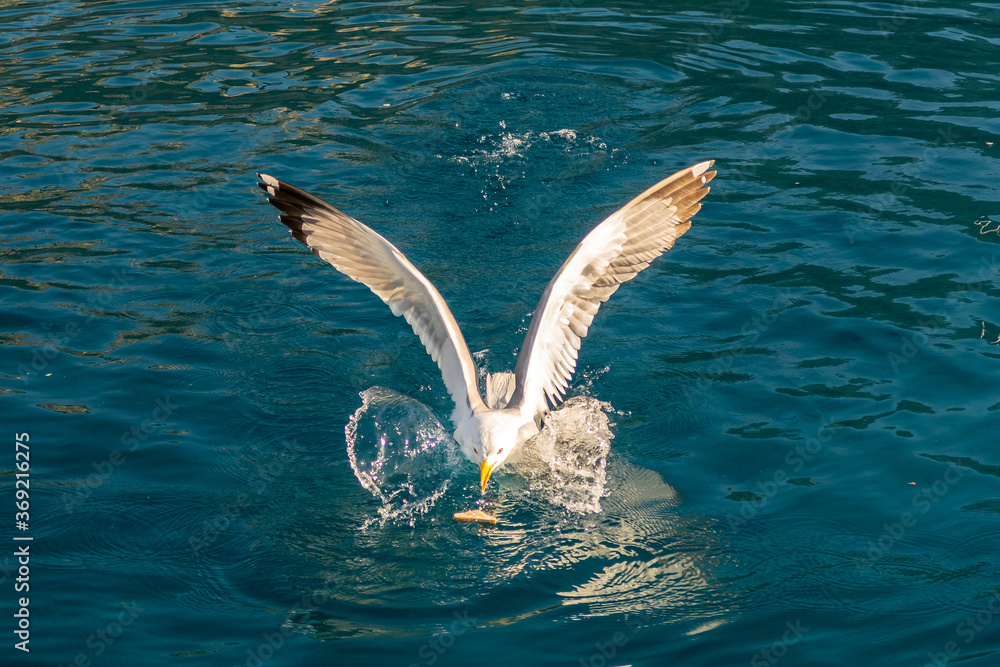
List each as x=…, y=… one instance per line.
x=613, y=253
x=363, y=255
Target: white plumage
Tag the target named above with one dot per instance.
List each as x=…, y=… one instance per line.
x=493, y=432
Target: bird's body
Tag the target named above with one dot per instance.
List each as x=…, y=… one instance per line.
x=493, y=432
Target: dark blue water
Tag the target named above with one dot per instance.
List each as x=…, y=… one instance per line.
x=798, y=402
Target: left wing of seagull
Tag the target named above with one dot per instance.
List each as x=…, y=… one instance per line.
x=612, y=253
x=361, y=254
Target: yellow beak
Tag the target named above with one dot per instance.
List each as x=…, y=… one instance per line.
x=485, y=470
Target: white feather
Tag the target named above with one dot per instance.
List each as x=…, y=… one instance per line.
x=612, y=253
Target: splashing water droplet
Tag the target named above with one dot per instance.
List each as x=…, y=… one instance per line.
x=400, y=453
x=567, y=461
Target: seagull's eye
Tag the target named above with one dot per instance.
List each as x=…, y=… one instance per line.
x=475, y=451
x=500, y=451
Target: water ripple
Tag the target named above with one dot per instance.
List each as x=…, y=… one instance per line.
x=813, y=354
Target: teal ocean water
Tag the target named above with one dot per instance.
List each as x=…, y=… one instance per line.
x=782, y=440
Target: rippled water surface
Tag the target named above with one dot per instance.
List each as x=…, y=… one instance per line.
x=782, y=443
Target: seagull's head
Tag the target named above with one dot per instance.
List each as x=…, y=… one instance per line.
x=490, y=438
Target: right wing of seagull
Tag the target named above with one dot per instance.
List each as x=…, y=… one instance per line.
x=363, y=255
x=613, y=253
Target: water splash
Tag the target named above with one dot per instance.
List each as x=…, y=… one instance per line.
x=499, y=148
x=401, y=454
x=407, y=459
x=567, y=462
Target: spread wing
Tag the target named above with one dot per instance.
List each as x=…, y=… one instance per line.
x=613, y=253
x=362, y=255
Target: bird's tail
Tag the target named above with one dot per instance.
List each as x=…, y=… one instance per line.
x=499, y=389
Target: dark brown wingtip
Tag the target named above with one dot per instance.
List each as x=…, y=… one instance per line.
x=269, y=184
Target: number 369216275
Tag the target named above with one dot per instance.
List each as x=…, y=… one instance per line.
x=23, y=461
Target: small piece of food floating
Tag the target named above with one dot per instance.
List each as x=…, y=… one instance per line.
x=476, y=515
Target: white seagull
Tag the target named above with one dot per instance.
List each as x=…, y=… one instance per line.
x=493, y=431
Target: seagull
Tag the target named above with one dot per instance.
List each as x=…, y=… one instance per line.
x=493, y=431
